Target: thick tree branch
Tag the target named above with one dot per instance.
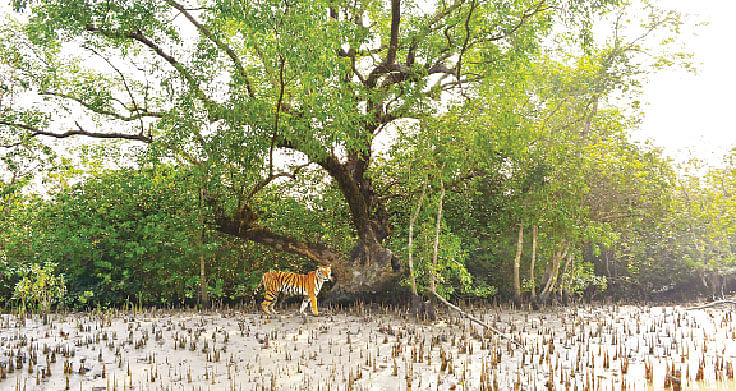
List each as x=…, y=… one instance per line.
x=244, y=226
x=328, y=161
x=263, y=183
x=344, y=175
x=383, y=69
x=394, y=40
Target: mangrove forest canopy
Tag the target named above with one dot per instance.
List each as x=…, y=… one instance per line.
x=171, y=151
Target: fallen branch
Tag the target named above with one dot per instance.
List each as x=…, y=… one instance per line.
x=713, y=304
x=473, y=318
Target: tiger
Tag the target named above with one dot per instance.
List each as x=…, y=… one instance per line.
x=309, y=285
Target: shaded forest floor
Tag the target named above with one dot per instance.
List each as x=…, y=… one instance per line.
x=372, y=348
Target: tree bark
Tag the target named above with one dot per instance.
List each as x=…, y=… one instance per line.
x=350, y=277
x=571, y=281
x=412, y=219
x=202, y=272
x=437, y=238
x=564, y=285
x=370, y=263
x=517, y=264
x=369, y=258
x=534, y=256
x=203, y=282
x=552, y=271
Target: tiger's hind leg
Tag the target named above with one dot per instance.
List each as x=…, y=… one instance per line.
x=268, y=301
x=304, y=306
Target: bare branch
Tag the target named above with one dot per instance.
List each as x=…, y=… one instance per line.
x=183, y=71
x=131, y=117
x=541, y=7
x=474, y=319
x=459, y=64
x=219, y=43
x=440, y=15
x=125, y=84
x=79, y=131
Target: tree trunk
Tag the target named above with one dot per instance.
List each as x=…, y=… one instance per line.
x=370, y=266
x=202, y=272
x=517, y=265
x=552, y=271
x=534, y=255
x=416, y=302
x=203, y=281
x=437, y=237
x=564, y=285
x=571, y=281
x=412, y=219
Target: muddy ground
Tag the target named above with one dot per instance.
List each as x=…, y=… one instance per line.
x=371, y=348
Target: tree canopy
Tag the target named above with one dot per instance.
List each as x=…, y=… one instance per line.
x=314, y=128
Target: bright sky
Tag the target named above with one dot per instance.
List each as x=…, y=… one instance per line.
x=693, y=115
x=690, y=115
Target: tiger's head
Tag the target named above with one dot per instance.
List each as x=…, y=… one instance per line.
x=324, y=273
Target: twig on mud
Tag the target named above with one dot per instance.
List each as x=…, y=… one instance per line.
x=713, y=304
x=473, y=318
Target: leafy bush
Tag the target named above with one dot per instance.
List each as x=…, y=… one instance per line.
x=39, y=287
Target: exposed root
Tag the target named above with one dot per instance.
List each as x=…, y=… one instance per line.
x=713, y=304
x=473, y=318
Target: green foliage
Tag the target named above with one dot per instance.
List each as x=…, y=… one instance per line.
x=272, y=112
x=38, y=287
x=585, y=277
x=451, y=275
x=136, y=233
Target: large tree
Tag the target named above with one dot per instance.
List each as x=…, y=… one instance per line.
x=253, y=93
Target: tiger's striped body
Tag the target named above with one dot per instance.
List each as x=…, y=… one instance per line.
x=308, y=285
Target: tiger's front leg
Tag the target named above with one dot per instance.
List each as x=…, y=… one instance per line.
x=304, y=306
x=313, y=299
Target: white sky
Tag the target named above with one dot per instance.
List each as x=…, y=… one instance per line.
x=690, y=115
x=693, y=114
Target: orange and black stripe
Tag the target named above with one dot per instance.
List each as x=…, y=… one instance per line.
x=309, y=285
